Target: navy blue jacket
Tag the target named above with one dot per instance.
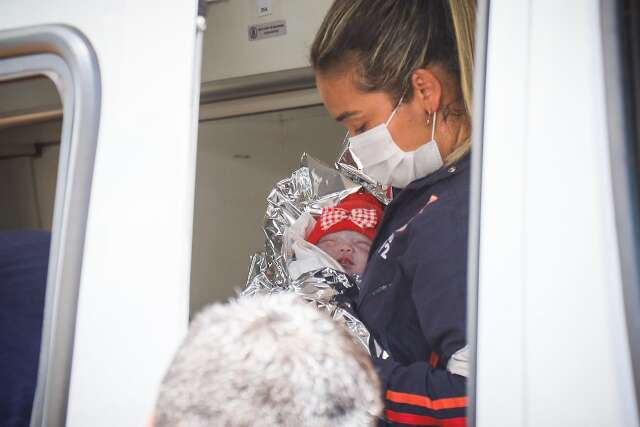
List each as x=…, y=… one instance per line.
x=24, y=256
x=413, y=298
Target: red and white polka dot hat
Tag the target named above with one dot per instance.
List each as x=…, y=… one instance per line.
x=359, y=212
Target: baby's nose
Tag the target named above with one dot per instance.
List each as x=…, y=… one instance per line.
x=345, y=248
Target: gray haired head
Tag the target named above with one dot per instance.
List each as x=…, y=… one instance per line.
x=268, y=361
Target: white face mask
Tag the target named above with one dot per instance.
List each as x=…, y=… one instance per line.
x=377, y=155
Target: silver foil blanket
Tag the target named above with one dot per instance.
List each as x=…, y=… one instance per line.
x=310, y=188
x=350, y=168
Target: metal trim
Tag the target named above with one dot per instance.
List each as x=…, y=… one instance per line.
x=257, y=84
x=621, y=132
x=475, y=205
x=65, y=55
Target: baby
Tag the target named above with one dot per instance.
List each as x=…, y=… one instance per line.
x=340, y=237
x=349, y=248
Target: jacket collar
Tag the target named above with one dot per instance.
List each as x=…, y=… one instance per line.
x=417, y=186
x=439, y=175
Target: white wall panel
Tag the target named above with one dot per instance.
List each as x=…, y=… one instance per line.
x=577, y=360
x=227, y=37
x=552, y=346
x=500, y=372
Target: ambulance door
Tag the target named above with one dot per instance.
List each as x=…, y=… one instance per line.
x=69, y=75
x=118, y=284
x=553, y=304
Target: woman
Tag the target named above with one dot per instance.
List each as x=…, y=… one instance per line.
x=396, y=74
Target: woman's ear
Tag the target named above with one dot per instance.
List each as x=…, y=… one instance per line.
x=427, y=89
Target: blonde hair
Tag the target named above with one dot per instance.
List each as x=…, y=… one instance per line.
x=463, y=14
x=387, y=40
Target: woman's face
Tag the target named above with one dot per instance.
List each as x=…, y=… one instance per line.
x=360, y=111
x=349, y=248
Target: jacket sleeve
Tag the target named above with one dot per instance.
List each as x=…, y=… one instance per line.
x=419, y=394
x=425, y=392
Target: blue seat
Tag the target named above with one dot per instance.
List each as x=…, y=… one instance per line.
x=24, y=256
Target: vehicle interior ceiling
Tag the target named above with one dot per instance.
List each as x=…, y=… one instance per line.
x=242, y=152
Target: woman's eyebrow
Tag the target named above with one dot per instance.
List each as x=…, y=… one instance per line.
x=345, y=115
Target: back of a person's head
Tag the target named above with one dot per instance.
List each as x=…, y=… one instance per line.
x=268, y=361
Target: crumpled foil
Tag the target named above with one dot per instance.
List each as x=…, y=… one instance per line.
x=310, y=188
x=331, y=291
x=351, y=168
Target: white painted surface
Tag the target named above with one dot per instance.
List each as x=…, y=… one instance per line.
x=551, y=313
x=571, y=243
x=501, y=294
x=134, y=293
x=228, y=38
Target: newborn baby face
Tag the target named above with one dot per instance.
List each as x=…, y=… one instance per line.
x=349, y=248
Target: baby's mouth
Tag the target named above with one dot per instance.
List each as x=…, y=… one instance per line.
x=345, y=262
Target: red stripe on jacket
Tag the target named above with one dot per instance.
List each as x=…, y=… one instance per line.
x=425, y=402
x=423, y=420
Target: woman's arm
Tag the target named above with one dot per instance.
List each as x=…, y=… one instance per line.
x=427, y=392
x=419, y=394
